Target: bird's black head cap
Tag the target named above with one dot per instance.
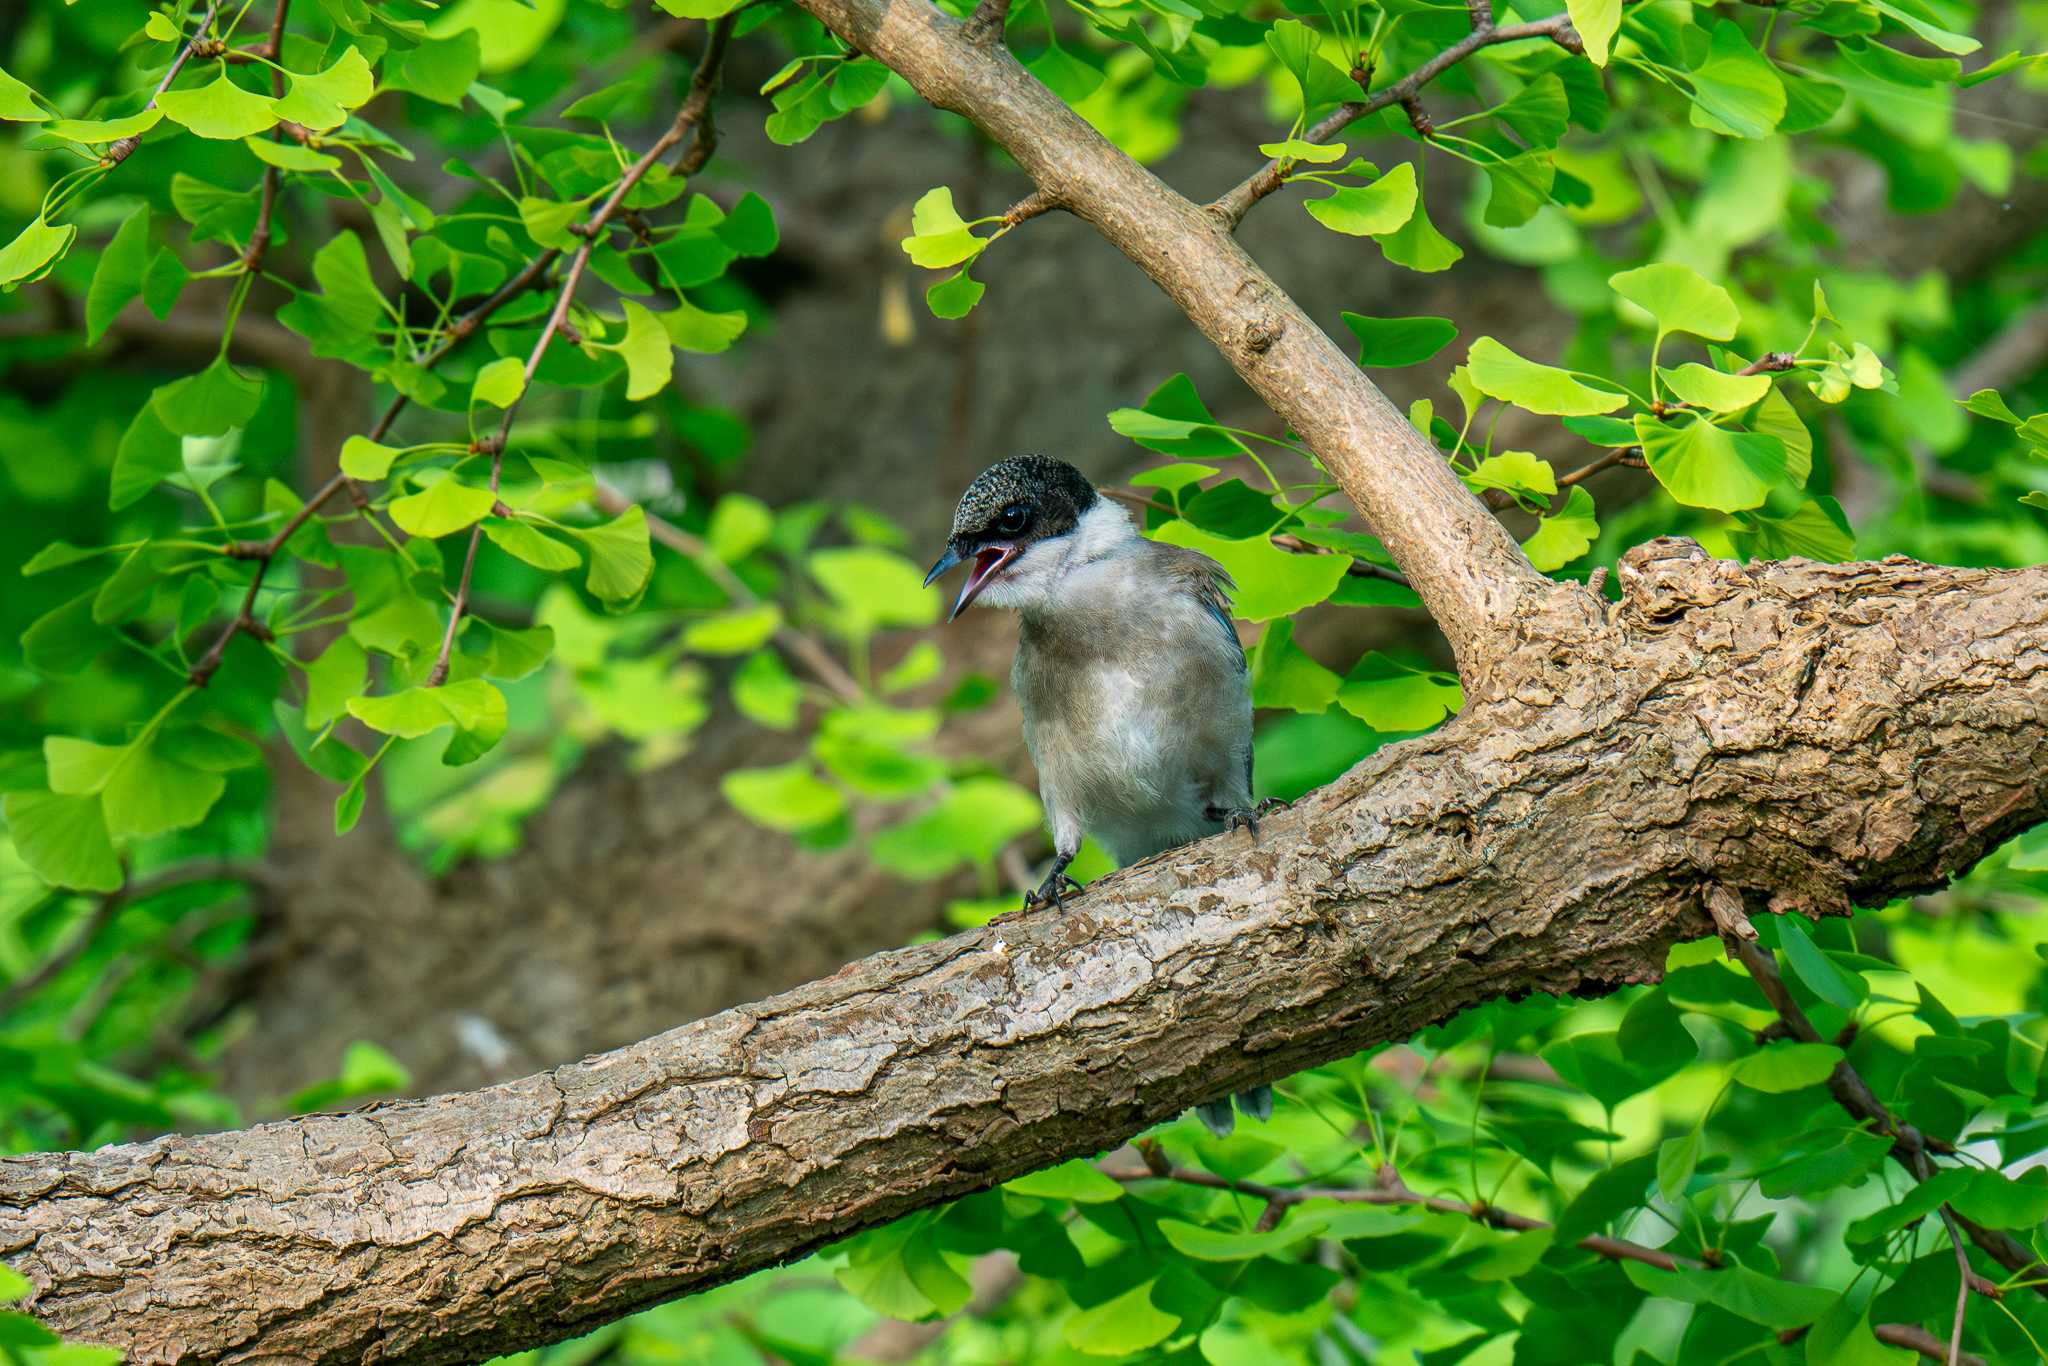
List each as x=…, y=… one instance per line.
x=1027, y=497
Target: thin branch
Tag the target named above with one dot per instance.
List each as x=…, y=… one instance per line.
x=1910, y=1147
x=1030, y=206
x=264, y=552
x=702, y=84
x=1390, y=1191
x=121, y=149
x=110, y=908
x=1233, y=206
x=259, y=238
x=795, y=643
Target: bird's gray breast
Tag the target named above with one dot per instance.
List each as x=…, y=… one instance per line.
x=1137, y=713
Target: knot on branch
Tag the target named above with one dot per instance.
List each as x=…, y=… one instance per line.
x=119, y=150
x=488, y=445
x=499, y=508
x=1567, y=37
x=1418, y=117
x=208, y=47
x=248, y=550
x=1663, y=579
x=988, y=21
x=1261, y=333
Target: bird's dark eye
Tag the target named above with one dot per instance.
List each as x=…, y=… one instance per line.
x=1012, y=519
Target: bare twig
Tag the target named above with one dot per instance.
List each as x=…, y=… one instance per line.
x=1233, y=206
x=1030, y=206
x=702, y=84
x=259, y=238
x=1625, y=456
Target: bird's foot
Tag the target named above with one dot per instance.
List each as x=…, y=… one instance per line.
x=1050, y=892
x=1236, y=817
x=1267, y=805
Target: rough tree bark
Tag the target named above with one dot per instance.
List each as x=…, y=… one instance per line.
x=1812, y=736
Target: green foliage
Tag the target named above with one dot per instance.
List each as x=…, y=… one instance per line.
x=1665, y=191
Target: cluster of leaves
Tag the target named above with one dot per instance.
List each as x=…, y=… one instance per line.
x=400, y=660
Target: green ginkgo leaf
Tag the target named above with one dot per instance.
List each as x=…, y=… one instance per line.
x=18, y=101
x=443, y=508
x=649, y=354
x=621, y=561
x=1736, y=89
x=1706, y=466
x=1597, y=21
x=321, y=101
x=1119, y=1327
x=1399, y=341
x=1532, y=386
x=220, y=109
x=362, y=458
x=1418, y=245
x=525, y=542
x=63, y=839
x=1271, y=582
x=1564, y=535
x=289, y=156
x=210, y=403
x=1680, y=299
x=500, y=383
x=117, y=279
x=955, y=296
x=1369, y=210
x=1712, y=389
x=1301, y=149
x=105, y=130
x=33, y=250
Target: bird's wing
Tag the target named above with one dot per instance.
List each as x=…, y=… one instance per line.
x=1209, y=583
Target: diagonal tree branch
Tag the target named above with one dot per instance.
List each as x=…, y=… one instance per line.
x=1736, y=724
x=1468, y=571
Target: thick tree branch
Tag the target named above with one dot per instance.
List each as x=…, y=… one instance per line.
x=1743, y=726
x=1468, y=571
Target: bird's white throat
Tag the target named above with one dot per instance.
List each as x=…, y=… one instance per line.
x=1033, y=580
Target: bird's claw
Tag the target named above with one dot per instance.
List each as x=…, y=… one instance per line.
x=1050, y=892
x=1238, y=817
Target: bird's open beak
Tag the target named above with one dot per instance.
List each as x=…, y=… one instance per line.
x=988, y=562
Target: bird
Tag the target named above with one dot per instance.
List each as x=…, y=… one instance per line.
x=1136, y=699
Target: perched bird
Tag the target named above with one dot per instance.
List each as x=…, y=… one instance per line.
x=1137, y=705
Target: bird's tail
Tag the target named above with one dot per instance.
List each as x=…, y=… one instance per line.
x=1221, y=1118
